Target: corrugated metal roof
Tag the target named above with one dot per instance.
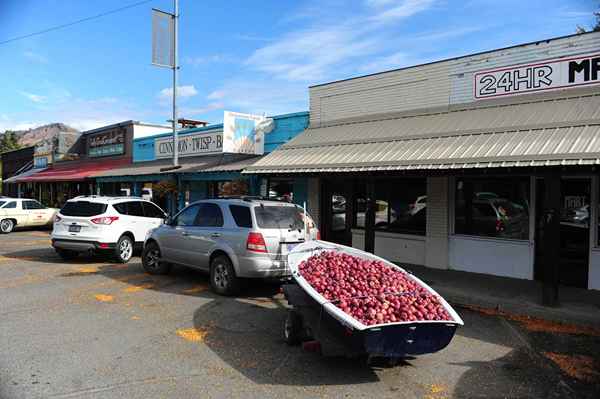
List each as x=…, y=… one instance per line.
x=560, y=131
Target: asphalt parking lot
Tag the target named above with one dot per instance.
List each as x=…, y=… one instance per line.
x=89, y=328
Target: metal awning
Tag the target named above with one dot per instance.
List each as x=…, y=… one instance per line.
x=200, y=164
x=546, y=132
x=15, y=179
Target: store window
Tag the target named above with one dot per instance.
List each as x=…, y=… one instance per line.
x=400, y=206
x=281, y=189
x=493, y=207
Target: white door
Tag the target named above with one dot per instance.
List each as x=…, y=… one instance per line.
x=37, y=214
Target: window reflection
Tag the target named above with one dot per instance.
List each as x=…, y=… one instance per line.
x=493, y=207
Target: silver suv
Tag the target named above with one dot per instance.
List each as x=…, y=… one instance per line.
x=230, y=238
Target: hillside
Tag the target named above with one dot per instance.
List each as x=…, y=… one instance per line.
x=42, y=133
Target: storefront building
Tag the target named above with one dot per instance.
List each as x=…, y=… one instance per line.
x=72, y=173
x=210, y=158
x=486, y=163
x=14, y=163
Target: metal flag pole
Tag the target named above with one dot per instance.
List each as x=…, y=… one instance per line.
x=175, y=138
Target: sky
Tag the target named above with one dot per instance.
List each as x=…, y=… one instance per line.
x=245, y=56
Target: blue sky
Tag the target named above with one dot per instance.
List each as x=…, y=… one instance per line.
x=257, y=57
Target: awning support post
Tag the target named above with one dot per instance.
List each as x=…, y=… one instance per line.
x=371, y=204
x=551, y=239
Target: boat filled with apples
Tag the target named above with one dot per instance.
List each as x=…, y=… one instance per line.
x=380, y=308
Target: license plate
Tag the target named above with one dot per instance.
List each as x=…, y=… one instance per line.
x=74, y=229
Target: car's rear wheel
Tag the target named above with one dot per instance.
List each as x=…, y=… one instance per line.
x=66, y=254
x=151, y=260
x=223, y=280
x=124, y=249
x=6, y=226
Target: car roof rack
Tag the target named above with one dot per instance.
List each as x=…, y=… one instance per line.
x=250, y=198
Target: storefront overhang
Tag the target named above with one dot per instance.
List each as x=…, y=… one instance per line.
x=17, y=178
x=192, y=168
x=546, y=130
x=72, y=171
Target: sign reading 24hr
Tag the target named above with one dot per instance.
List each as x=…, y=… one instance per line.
x=543, y=75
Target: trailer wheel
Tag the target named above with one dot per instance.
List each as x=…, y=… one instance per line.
x=293, y=328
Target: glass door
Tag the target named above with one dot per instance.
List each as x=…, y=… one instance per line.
x=334, y=228
x=575, y=231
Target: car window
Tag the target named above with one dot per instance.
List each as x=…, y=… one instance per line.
x=279, y=217
x=131, y=208
x=2, y=203
x=32, y=205
x=210, y=215
x=83, y=208
x=10, y=205
x=187, y=217
x=241, y=215
x=152, y=211
x=134, y=208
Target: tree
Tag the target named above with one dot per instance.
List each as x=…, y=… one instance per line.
x=9, y=142
x=595, y=28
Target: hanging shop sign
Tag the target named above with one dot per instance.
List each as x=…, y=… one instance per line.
x=245, y=133
x=190, y=144
x=539, y=76
x=110, y=142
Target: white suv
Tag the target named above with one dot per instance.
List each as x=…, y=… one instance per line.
x=104, y=224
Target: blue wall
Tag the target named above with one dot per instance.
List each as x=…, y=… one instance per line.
x=287, y=127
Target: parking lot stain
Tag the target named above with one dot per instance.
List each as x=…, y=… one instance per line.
x=192, y=334
x=137, y=288
x=104, y=298
x=580, y=367
x=195, y=289
x=539, y=325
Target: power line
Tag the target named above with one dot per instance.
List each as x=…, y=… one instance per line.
x=57, y=27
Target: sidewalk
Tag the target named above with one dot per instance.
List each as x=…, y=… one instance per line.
x=516, y=296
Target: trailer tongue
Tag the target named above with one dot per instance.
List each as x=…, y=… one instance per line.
x=318, y=314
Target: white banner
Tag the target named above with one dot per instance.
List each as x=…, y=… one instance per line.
x=244, y=133
x=538, y=76
x=162, y=39
x=190, y=145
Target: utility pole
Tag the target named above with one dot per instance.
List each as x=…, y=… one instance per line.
x=175, y=66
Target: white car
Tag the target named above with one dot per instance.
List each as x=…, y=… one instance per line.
x=116, y=225
x=23, y=212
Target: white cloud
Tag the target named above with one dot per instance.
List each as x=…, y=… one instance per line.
x=314, y=54
x=182, y=92
x=379, y=3
x=208, y=59
x=392, y=61
x=403, y=9
x=216, y=95
x=260, y=96
x=36, y=98
x=309, y=55
x=35, y=57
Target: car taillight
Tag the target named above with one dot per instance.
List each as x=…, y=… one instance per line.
x=105, y=220
x=256, y=243
x=500, y=226
x=57, y=218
